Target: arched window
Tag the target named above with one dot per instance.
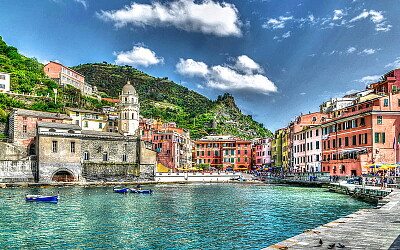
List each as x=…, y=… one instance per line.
x=133, y=116
x=86, y=156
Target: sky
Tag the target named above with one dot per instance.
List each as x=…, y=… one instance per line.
x=278, y=58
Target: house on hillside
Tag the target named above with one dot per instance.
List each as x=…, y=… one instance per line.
x=65, y=76
x=4, y=82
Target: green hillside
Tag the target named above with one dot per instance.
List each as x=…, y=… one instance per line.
x=171, y=102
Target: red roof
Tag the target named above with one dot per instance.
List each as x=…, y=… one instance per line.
x=110, y=100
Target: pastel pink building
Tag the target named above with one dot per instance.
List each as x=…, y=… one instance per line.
x=307, y=150
x=262, y=153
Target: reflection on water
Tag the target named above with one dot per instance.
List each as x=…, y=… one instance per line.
x=192, y=216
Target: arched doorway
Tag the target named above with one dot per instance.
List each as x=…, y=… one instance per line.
x=63, y=175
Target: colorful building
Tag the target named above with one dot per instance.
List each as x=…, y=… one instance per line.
x=173, y=145
x=390, y=83
x=307, y=150
x=23, y=125
x=367, y=133
x=66, y=76
x=262, y=153
x=88, y=119
x=223, y=153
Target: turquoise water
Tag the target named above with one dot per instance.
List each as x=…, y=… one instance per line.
x=192, y=216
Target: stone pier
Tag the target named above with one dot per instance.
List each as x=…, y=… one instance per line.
x=365, y=229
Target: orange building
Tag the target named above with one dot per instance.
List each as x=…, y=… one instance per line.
x=223, y=152
x=366, y=133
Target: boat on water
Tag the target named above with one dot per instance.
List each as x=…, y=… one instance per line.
x=139, y=191
x=121, y=190
x=32, y=197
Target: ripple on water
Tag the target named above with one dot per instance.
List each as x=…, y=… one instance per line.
x=174, y=217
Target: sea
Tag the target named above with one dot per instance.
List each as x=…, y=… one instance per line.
x=174, y=216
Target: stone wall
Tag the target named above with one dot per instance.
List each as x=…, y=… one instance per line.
x=4, y=128
x=48, y=169
x=17, y=171
x=11, y=152
x=106, y=172
x=96, y=147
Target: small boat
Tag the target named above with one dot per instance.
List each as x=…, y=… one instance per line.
x=121, y=190
x=31, y=197
x=139, y=191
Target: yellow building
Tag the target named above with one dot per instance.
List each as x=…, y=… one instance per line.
x=276, y=149
x=88, y=119
x=285, y=150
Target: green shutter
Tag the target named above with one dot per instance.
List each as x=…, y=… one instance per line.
x=383, y=137
x=376, y=137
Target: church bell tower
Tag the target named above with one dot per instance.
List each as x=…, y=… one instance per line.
x=128, y=122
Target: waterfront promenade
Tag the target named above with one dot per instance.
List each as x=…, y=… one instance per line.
x=364, y=229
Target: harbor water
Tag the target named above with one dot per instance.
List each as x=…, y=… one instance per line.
x=175, y=216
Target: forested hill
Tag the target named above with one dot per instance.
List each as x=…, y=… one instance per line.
x=171, y=102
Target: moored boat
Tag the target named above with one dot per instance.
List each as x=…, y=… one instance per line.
x=31, y=197
x=121, y=190
x=139, y=191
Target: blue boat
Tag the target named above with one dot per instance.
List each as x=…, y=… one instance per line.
x=121, y=190
x=31, y=197
x=139, y=191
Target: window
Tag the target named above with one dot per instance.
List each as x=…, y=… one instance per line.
x=216, y=153
x=238, y=152
x=86, y=156
x=24, y=130
x=379, y=119
x=124, y=157
x=100, y=125
x=354, y=140
x=317, y=144
x=72, y=147
x=238, y=159
x=385, y=102
x=86, y=124
x=362, y=121
x=346, y=141
x=2, y=77
x=208, y=153
x=316, y=132
x=379, y=137
x=105, y=156
x=394, y=88
x=339, y=142
x=55, y=146
x=245, y=152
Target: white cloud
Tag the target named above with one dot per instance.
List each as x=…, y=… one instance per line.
x=368, y=51
x=376, y=17
x=369, y=79
x=302, y=93
x=279, y=23
x=138, y=56
x=246, y=65
x=208, y=17
x=83, y=2
x=350, y=50
x=244, y=75
x=225, y=78
x=395, y=64
x=286, y=35
x=338, y=14
x=338, y=19
x=189, y=67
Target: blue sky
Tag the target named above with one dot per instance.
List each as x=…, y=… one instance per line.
x=279, y=58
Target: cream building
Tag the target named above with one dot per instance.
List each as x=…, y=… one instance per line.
x=88, y=119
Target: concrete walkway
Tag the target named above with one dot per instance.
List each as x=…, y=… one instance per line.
x=365, y=229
